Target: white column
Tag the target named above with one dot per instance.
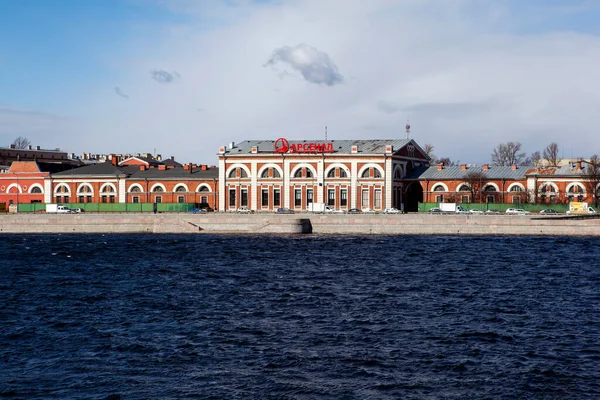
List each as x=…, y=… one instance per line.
x=285, y=191
x=320, y=181
x=253, y=185
x=122, y=191
x=353, y=183
x=222, y=187
x=47, y=191
x=388, y=183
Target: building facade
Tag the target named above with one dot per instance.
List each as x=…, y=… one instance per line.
x=268, y=174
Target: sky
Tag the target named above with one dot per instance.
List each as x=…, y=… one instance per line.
x=183, y=77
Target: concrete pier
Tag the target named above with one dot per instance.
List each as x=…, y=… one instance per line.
x=299, y=223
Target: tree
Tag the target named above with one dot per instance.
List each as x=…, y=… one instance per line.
x=551, y=155
x=535, y=158
x=475, y=180
x=446, y=161
x=506, y=154
x=591, y=174
x=21, y=142
x=428, y=148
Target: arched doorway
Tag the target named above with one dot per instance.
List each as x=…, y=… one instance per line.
x=414, y=196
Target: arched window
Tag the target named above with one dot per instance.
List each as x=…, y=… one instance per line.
x=331, y=173
x=464, y=188
x=85, y=189
x=36, y=189
x=276, y=173
x=439, y=188
x=108, y=189
x=135, y=189
x=204, y=189
x=489, y=188
x=516, y=188
x=376, y=173
x=238, y=173
x=576, y=189
x=265, y=173
x=398, y=174
x=309, y=173
x=366, y=173
x=62, y=189
x=180, y=189
x=158, y=189
x=343, y=173
x=298, y=173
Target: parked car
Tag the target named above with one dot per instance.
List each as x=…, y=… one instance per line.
x=549, y=211
x=369, y=210
x=245, y=210
x=354, y=211
x=475, y=212
x=197, y=211
x=392, y=210
x=77, y=210
x=517, y=211
x=435, y=210
x=284, y=211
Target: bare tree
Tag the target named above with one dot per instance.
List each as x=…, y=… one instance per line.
x=475, y=180
x=535, y=158
x=551, y=155
x=591, y=174
x=428, y=148
x=509, y=153
x=446, y=161
x=21, y=142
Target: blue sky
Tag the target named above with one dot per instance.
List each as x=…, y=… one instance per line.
x=193, y=75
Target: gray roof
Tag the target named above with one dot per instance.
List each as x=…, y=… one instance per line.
x=564, y=171
x=458, y=173
x=173, y=173
x=339, y=146
x=106, y=169
x=100, y=169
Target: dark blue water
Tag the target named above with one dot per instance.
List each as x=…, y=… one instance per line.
x=299, y=317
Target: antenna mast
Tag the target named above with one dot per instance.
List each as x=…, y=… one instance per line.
x=407, y=129
x=325, y=132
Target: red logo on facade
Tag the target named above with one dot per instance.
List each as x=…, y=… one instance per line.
x=281, y=145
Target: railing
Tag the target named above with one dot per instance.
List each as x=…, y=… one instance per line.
x=501, y=207
x=114, y=207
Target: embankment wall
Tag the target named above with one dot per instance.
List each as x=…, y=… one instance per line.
x=299, y=223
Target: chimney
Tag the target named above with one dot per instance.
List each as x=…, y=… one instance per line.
x=463, y=166
x=212, y=166
x=12, y=146
x=172, y=158
x=354, y=149
x=142, y=167
x=191, y=167
x=514, y=167
x=222, y=150
x=440, y=166
x=162, y=167
x=487, y=166
x=30, y=147
x=204, y=167
x=114, y=160
x=231, y=145
x=254, y=149
x=389, y=149
x=37, y=147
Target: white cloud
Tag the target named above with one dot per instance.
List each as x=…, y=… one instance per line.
x=314, y=65
x=460, y=70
